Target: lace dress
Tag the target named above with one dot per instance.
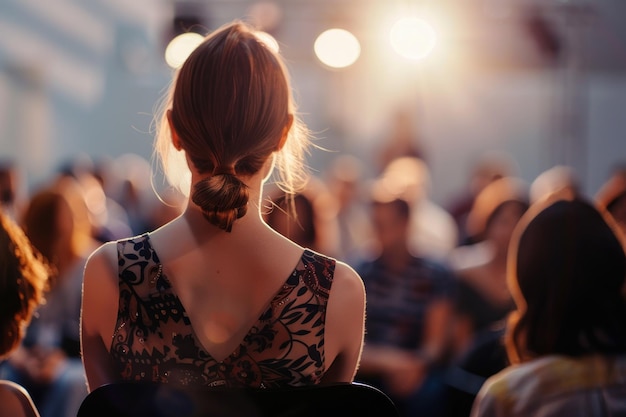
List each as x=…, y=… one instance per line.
x=154, y=339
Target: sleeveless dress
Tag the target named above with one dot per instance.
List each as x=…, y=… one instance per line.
x=154, y=339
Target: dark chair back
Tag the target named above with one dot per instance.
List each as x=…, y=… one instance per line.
x=143, y=399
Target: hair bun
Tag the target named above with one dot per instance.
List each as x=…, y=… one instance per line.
x=223, y=199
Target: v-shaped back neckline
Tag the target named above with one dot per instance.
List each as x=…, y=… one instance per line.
x=278, y=297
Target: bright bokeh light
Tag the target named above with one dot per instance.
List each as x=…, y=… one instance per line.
x=413, y=38
x=268, y=40
x=180, y=47
x=337, y=48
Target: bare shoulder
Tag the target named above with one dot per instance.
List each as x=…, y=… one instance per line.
x=347, y=283
x=16, y=401
x=103, y=260
x=345, y=325
x=100, y=292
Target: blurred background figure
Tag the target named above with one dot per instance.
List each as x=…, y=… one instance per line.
x=345, y=179
x=312, y=222
x=433, y=232
x=402, y=141
x=48, y=363
x=408, y=311
x=108, y=219
x=9, y=188
x=560, y=179
x=482, y=299
x=490, y=166
x=612, y=197
x=23, y=281
x=127, y=181
x=567, y=336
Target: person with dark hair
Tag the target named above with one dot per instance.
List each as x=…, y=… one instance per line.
x=407, y=312
x=216, y=296
x=567, y=338
x=23, y=282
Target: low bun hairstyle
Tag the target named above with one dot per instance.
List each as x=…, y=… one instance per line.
x=230, y=106
x=223, y=199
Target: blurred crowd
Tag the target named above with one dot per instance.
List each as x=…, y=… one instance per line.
x=435, y=275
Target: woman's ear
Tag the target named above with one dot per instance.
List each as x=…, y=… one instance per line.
x=285, y=133
x=175, y=138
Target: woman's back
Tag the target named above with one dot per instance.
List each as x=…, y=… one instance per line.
x=218, y=280
x=228, y=311
x=242, y=321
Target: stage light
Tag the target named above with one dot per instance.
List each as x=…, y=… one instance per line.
x=180, y=47
x=337, y=48
x=413, y=38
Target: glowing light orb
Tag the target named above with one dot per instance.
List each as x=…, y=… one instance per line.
x=337, y=48
x=413, y=38
x=180, y=47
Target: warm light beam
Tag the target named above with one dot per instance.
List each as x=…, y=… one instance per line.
x=413, y=38
x=268, y=40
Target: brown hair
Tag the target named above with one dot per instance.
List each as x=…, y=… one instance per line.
x=566, y=270
x=23, y=279
x=230, y=106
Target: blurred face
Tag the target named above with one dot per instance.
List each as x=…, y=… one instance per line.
x=391, y=228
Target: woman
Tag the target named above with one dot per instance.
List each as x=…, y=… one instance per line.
x=48, y=362
x=482, y=297
x=216, y=297
x=482, y=300
x=23, y=279
x=567, y=338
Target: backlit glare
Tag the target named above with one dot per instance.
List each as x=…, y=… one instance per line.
x=180, y=47
x=337, y=48
x=268, y=40
x=413, y=38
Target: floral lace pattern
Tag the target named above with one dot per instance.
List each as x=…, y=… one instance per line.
x=155, y=341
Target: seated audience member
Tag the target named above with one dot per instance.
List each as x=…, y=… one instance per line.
x=48, y=362
x=308, y=217
x=490, y=166
x=407, y=313
x=482, y=297
x=23, y=280
x=433, y=231
x=216, y=297
x=482, y=300
x=345, y=179
x=567, y=338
